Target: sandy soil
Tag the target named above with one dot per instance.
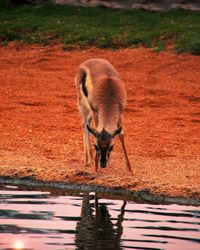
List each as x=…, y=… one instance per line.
x=40, y=125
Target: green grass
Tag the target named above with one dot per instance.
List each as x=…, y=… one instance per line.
x=101, y=27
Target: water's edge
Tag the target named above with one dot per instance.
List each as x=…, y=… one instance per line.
x=141, y=196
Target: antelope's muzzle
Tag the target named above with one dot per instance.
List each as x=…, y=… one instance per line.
x=103, y=164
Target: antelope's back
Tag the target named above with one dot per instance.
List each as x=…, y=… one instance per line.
x=101, y=83
x=97, y=68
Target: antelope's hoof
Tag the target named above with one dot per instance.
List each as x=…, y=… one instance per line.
x=88, y=164
x=129, y=169
x=131, y=173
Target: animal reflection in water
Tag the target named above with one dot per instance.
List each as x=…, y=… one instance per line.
x=97, y=231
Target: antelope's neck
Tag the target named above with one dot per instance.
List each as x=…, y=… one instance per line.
x=108, y=118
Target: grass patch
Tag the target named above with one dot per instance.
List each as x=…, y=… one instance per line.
x=101, y=27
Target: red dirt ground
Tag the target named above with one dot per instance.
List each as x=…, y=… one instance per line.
x=40, y=125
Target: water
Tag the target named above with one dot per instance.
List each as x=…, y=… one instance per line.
x=49, y=220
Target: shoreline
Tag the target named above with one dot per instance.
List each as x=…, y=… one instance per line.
x=142, y=196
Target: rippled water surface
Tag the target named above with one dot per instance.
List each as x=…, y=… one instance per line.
x=50, y=220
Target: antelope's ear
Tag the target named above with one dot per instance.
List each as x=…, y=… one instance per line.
x=116, y=132
x=92, y=131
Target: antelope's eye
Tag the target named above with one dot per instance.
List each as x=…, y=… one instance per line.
x=96, y=147
x=111, y=148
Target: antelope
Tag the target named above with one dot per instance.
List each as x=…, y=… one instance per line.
x=101, y=96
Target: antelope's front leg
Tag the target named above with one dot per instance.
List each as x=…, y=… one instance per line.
x=121, y=138
x=96, y=162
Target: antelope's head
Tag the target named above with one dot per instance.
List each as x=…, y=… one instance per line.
x=103, y=144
